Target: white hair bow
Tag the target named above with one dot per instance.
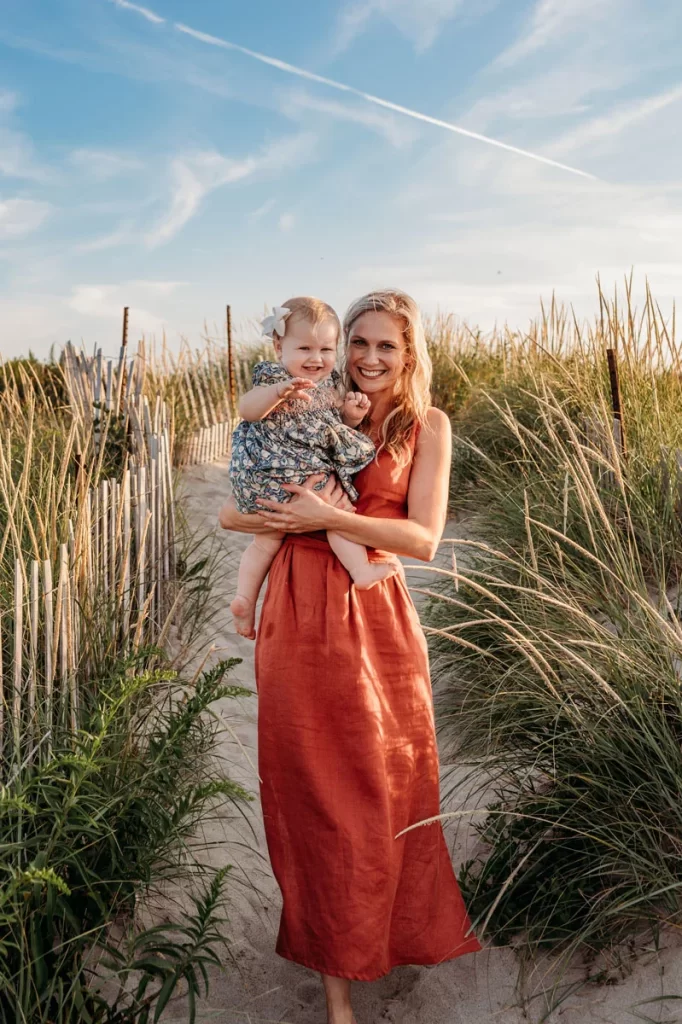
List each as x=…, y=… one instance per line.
x=276, y=324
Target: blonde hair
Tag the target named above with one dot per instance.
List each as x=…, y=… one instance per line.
x=312, y=310
x=413, y=389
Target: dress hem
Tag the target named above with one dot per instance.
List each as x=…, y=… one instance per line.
x=471, y=946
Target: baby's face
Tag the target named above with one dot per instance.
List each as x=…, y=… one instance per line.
x=308, y=350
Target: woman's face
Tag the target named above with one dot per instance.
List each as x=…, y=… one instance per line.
x=376, y=353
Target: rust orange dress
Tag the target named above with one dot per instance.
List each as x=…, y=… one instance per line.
x=348, y=758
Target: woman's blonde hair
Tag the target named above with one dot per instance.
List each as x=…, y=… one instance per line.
x=312, y=310
x=413, y=389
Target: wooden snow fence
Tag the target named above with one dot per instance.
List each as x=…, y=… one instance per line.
x=100, y=387
x=115, y=568
x=116, y=562
x=208, y=444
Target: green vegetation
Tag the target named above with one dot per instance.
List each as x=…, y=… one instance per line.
x=108, y=765
x=91, y=832
x=557, y=647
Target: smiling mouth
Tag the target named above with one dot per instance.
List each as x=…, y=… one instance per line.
x=371, y=374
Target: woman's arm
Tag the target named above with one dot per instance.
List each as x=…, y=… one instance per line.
x=259, y=401
x=240, y=522
x=244, y=522
x=417, y=536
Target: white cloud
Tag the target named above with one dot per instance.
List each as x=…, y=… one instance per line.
x=19, y=217
x=105, y=302
x=286, y=222
x=420, y=21
x=532, y=235
x=397, y=130
x=156, y=19
x=584, y=59
x=487, y=238
x=469, y=227
x=93, y=300
x=196, y=175
x=159, y=287
x=615, y=121
x=17, y=156
x=564, y=89
x=122, y=235
x=291, y=69
x=552, y=22
x=263, y=209
x=9, y=101
x=32, y=321
x=102, y=164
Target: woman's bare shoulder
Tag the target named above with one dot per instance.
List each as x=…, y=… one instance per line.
x=437, y=427
x=437, y=419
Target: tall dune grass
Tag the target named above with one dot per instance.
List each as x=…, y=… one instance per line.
x=557, y=648
x=107, y=760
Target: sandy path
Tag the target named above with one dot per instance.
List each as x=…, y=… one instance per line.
x=260, y=987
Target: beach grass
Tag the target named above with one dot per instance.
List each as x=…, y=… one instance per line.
x=557, y=645
x=108, y=765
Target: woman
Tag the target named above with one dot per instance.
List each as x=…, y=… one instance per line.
x=347, y=746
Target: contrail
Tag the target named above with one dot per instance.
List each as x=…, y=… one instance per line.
x=156, y=19
x=291, y=69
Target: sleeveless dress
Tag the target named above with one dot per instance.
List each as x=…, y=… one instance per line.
x=348, y=758
x=294, y=441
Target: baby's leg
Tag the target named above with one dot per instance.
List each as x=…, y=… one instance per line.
x=253, y=569
x=353, y=557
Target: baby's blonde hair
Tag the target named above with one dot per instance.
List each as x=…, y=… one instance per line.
x=413, y=389
x=314, y=311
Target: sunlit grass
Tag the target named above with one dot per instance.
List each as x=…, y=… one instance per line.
x=557, y=653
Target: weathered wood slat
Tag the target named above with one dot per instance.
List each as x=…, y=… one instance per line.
x=18, y=654
x=2, y=694
x=34, y=608
x=112, y=540
x=49, y=640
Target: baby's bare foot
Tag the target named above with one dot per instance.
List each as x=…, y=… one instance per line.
x=368, y=575
x=244, y=616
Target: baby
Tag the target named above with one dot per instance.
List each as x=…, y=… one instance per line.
x=295, y=424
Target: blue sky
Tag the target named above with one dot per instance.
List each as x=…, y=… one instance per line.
x=144, y=162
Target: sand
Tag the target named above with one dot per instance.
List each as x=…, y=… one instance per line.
x=257, y=986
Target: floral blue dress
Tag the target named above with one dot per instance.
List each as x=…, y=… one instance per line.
x=294, y=441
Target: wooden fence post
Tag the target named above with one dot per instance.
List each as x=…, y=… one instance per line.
x=230, y=365
x=619, y=428
x=122, y=361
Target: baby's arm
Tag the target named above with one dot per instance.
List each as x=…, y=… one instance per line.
x=258, y=402
x=354, y=409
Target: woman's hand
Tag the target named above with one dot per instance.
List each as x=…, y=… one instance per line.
x=332, y=492
x=308, y=510
x=239, y=522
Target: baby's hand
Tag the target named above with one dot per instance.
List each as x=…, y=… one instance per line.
x=355, y=408
x=296, y=388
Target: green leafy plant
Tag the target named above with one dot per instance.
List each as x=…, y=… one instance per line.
x=87, y=835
